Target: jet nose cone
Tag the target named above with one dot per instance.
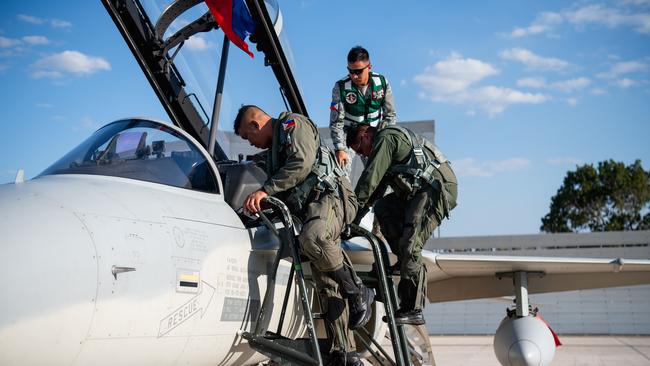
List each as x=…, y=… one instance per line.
x=524, y=353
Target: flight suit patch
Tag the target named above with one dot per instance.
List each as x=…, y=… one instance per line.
x=288, y=124
x=351, y=97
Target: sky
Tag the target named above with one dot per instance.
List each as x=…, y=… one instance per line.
x=521, y=92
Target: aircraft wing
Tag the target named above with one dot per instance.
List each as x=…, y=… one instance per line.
x=453, y=277
x=464, y=276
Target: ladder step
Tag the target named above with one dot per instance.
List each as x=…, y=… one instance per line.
x=285, y=351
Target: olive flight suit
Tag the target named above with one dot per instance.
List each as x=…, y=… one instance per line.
x=409, y=215
x=323, y=208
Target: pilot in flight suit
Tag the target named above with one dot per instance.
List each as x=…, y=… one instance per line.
x=424, y=191
x=302, y=172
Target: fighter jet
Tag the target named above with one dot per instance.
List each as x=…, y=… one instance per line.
x=130, y=249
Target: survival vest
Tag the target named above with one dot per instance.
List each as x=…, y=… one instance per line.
x=323, y=178
x=358, y=108
x=425, y=165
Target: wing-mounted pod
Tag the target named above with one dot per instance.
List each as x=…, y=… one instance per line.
x=523, y=338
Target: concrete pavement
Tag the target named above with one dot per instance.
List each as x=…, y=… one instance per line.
x=575, y=351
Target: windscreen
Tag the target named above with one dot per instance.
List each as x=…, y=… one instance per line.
x=247, y=81
x=141, y=150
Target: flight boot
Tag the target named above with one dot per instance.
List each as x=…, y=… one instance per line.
x=412, y=317
x=407, y=313
x=338, y=358
x=360, y=298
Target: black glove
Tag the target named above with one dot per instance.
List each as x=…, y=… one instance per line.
x=347, y=233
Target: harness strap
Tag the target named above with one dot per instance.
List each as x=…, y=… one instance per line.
x=422, y=168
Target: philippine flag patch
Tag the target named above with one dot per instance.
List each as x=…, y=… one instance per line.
x=333, y=106
x=288, y=124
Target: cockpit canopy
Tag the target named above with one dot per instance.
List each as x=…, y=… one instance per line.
x=142, y=150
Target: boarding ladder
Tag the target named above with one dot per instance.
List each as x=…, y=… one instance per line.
x=307, y=351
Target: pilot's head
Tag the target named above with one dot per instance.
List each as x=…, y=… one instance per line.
x=360, y=139
x=359, y=65
x=254, y=125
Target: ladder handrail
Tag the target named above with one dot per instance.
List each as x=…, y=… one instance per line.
x=387, y=288
x=287, y=238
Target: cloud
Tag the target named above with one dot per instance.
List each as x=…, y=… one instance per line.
x=636, y=2
x=532, y=60
x=536, y=82
x=55, y=23
x=30, y=19
x=69, y=62
x=454, y=74
x=36, y=40
x=634, y=16
x=571, y=85
x=543, y=23
x=453, y=80
x=8, y=42
x=565, y=86
x=598, y=91
x=44, y=74
x=470, y=167
x=44, y=105
x=610, y=17
x=618, y=73
x=625, y=83
x=495, y=99
x=625, y=67
x=3, y=67
x=566, y=160
x=572, y=101
x=197, y=43
x=58, y=23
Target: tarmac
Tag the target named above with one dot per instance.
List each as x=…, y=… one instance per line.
x=574, y=351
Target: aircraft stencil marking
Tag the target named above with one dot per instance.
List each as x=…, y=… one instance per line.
x=178, y=237
x=235, y=309
x=197, y=304
x=187, y=281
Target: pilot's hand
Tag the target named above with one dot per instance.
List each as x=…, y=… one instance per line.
x=342, y=157
x=347, y=233
x=252, y=203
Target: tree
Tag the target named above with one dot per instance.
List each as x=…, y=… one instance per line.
x=610, y=197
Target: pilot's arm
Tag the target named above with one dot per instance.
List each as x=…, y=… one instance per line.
x=389, y=115
x=300, y=144
x=337, y=114
x=300, y=148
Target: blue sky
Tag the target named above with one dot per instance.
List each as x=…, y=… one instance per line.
x=521, y=91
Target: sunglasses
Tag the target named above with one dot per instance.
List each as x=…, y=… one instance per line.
x=357, y=71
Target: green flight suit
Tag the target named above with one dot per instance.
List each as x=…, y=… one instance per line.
x=407, y=219
x=294, y=151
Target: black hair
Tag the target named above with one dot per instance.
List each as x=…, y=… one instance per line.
x=358, y=53
x=353, y=132
x=240, y=114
